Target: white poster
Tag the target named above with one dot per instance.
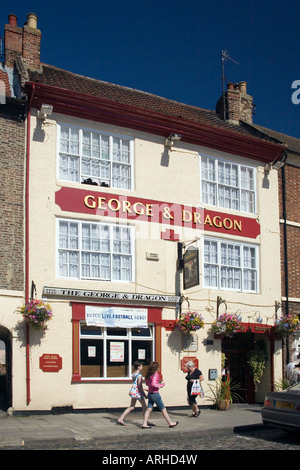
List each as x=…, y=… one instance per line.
x=113, y=317
x=141, y=354
x=117, y=351
x=91, y=351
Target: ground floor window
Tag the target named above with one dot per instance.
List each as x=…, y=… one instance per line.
x=110, y=352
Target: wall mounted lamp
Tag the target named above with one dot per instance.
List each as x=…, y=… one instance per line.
x=259, y=319
x=276, y=165
x=219, y=302
x=171, y=139
x=277, y=307
x=45, y=111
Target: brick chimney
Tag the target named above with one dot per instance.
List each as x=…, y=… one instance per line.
x=238, y=104
x=22, y=42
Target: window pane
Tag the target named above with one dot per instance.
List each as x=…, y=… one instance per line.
x=227, y=184
x=230, y=266
x=93, y=158
x=91, y=357
x=117, y=358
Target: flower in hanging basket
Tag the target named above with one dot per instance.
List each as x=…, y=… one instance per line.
x=189, y=322
x=226, y=324
x=36, y=313
x=287, y=324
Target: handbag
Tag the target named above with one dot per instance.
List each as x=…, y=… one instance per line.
x=197, y=389
x=134, y=391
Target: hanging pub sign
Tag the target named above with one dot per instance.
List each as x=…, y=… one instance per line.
x=191, y=268
x=116, y=317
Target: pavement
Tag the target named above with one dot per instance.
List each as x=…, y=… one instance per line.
x=84, y=426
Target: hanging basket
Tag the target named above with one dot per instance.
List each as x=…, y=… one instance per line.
x=226, y=325
x=36, y=313
x=287, y=325
x=189, y=322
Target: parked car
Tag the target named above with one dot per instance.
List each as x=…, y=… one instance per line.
x=282, y=409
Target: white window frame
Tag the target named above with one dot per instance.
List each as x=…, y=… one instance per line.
x=101, y=181
x=218, y=186
x=103, y=335
x=79, y=250
x=241, y=268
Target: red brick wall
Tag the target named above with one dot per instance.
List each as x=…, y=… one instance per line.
x=12, y=158
x=292, y=178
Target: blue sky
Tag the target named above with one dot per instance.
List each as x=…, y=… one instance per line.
x=172, y=48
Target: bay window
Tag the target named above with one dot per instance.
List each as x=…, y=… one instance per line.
x=95, y=251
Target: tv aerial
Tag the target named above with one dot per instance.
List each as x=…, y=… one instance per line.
x=225, y=56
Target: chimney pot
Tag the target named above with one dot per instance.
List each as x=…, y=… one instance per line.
x=243, y=87
x=32, y=20
x=12, y=20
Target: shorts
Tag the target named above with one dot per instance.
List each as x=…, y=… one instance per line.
x=155, y=399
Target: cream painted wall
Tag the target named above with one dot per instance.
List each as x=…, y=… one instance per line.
x=179, y=172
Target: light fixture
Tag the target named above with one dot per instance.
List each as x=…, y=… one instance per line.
x=219, y=302
x=277, y=307
x=276, y=165
x=170, y=140
x=259, y=319
x=45, y=111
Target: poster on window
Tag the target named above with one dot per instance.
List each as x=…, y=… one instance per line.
x=116, y=317
x=91, y=351
x=117, y=351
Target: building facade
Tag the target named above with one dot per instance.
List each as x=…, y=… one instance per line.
x=138, y=209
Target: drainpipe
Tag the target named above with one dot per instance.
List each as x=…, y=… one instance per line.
x=27, y=241
x=286, y=272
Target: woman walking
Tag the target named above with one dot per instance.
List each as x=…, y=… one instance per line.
x=154, y=384
x=138, y=394
x=193, y=374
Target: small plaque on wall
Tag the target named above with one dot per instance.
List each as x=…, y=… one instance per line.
x=50, y=362
x=190, y=343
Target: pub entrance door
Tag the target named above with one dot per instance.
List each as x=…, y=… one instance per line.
x=236, y=350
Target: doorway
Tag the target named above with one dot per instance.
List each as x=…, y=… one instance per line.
x=236, y=351
x=5, y=369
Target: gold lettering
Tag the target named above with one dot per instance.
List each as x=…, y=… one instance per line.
x=135, y=209
x=186, y=216
x=167, y=214
x=89, y=204
x=111, y=207
x=217, y=221
x=101, y=203
x=208, y=221
x=237, y=225
x=149, y=208
x=225, y=225
x=197, y=218
x=126, y=207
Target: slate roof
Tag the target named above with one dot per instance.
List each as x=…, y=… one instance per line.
x=57, y=77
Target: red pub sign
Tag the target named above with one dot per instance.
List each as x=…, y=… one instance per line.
x=50, y=362
x=133, y=208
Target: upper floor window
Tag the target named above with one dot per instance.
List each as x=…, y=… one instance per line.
x=95, y=251
x=230, y=265
x=92, y=157
x=226, y=184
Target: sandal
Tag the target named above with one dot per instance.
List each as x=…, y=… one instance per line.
x=173, y=425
